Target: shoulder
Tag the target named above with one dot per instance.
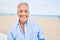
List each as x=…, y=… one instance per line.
x=13, y=26
x=34, y=23
x=12, y=30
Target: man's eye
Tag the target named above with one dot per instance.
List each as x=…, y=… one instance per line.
x=26, y=11
x=20, y=11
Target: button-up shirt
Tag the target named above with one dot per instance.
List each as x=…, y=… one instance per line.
x=32, y=31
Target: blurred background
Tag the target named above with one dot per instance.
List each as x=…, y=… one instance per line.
x=45, y=12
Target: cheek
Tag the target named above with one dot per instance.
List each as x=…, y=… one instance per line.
x=27, y=14
x=19, y=15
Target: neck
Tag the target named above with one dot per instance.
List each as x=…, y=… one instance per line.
x=22, y=26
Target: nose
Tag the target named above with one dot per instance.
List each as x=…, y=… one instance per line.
x=23, y=13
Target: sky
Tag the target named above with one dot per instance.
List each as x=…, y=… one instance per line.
x=36, y=7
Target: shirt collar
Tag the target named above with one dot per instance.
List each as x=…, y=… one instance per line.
x=25, y=23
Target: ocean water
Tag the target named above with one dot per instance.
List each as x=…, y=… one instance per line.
x=39, y=16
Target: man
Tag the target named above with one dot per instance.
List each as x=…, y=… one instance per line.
x=24, y=28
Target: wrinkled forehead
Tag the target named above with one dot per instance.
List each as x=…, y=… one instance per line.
x=23, y=5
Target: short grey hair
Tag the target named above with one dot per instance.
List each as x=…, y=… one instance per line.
x=22, y=4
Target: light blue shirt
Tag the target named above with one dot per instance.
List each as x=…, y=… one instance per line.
x=32, y=31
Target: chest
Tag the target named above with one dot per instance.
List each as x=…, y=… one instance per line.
x=28, y=34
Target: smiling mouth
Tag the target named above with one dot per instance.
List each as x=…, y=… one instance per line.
x=23, y=16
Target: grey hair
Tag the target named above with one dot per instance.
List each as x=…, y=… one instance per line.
x=22, y=4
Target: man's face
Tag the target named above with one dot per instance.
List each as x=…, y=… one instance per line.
x=23, y=13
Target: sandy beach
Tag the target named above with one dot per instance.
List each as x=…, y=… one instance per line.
x=50, y=26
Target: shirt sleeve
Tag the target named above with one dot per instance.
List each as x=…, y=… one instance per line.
x=10, y=35
x=41, y=34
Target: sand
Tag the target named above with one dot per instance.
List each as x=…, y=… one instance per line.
x=50, y=26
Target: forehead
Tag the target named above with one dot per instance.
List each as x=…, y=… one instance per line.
x=23, y=6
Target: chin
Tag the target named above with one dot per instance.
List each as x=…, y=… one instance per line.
x=23, y=20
